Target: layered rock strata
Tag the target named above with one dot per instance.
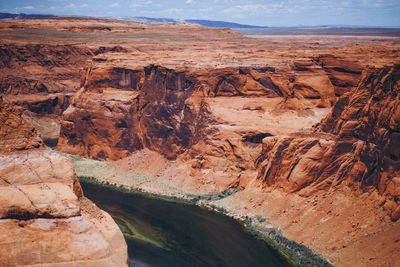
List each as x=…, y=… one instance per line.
x=166, y=110
x=344, y=175
x=308, y=178
x=189, y=110
x=44, y=218
x=356, y=145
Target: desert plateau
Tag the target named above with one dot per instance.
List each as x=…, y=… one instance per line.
x=297, y=137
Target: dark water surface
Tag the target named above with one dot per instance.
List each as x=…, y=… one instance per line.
x=163, y=233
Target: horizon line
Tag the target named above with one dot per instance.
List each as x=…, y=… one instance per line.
x=186, y=19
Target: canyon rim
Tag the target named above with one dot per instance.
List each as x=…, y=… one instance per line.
x=305, y=131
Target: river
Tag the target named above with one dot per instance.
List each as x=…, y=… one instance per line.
x=165, y=233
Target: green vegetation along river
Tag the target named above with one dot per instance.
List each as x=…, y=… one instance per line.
x=165, y=233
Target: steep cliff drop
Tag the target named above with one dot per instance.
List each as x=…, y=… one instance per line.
x=310, y=180
x=343, y=176
x=121, y=109
x=44, y=218
x=39, y=79
x=191, y=111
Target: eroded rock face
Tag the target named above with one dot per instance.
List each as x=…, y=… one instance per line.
x=199, y=110
x=358, y=145
x=120, y=110
x=38, y=183
x=41, y=67
x=39, y=80
x=44, y=217
x=41, y=77
x=343, y=74
x=370, y=112
x=14, y=133
x=312, y=163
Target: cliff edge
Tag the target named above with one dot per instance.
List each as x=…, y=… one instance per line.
x=44, y=218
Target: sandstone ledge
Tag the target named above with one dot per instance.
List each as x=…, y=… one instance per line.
x=91, y=239
x=44, y=218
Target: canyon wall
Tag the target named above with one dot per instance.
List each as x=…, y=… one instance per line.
x=197, y=111
x=250, y=129
x=44, y=216
x=342, y=174
x=356, y=145
x=119, y=110
x=41, y=77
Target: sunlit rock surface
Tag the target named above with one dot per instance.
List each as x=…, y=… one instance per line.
x=44, y=218
x=183, y=109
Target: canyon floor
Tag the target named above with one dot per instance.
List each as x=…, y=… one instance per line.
x=304, y=129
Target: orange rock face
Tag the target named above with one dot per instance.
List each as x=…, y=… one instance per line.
x=352, y=154
x=203, y=110
x=14, y=133
x=370, y=114
x=42, y=206
x=358, y=145
x=166, y=109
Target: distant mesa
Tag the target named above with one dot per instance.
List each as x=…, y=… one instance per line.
x=207, y=23
x=245, y=29
x=223, y=24
x=24, y=16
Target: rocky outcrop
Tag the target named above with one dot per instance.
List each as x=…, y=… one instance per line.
x=198, y=111
x=121, y=110
x=14, y=133
x=39, y=79
x=13, y=86
x=343, y=74
x=44, y=218
x=42, y=55
x=356, y=145
x=38, y=68
x=370, y=112
x=41, y=105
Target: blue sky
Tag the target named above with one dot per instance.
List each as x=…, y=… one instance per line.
x=266, y=13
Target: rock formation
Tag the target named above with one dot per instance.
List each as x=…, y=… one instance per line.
x=165, y=109
x=358, y=145
x=205, y=110
x=44, y=216
x=344, y=172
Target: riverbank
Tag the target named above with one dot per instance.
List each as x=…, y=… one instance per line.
x=295, y=254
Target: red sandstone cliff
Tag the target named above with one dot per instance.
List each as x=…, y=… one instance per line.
x=202, y=110
x=121, y=110
x=44, y=218
x=356, y=145
x=332, y=171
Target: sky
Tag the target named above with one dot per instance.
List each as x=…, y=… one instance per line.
x=263, y=13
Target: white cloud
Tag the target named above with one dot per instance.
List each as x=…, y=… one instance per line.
x=70, y=6
x=190, y=1
x=371, y=2
x=28, y=7
x=115, y=5
x=222, y=1
x=206, y=10
x=172, y=10
x=140, y=3
x=242, y=11
x=84, y=5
